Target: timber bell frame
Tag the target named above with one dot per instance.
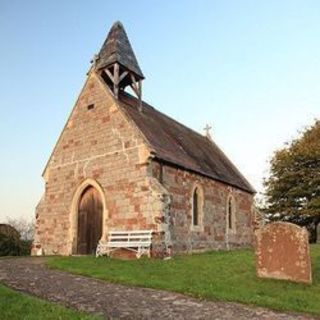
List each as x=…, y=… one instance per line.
x=117, y=63
x=118, y=78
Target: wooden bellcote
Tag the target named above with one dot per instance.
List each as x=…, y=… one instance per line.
x=117, y=64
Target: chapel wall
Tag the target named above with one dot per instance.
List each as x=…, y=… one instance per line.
x=97, y=144
x=212, y=234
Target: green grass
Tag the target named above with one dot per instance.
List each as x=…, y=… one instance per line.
x=15, y=306
x=228, y=276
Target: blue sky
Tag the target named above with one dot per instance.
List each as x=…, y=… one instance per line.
x=251, y=69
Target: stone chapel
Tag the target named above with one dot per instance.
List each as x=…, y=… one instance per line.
x=120, y=164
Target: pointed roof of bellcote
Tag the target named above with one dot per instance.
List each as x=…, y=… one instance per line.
x=117, y=48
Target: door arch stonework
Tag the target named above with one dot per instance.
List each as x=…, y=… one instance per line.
x=89, y=227
x=74, y=212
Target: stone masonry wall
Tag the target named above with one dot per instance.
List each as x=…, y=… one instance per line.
x=212, y=233
x=102, y=145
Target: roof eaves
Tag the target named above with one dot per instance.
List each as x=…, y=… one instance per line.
x=212, y=177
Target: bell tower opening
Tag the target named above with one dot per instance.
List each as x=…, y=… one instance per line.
x=117, y=63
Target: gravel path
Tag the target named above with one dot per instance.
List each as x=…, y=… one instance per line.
x=114, y=301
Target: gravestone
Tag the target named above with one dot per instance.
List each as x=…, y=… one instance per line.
x=282, y=252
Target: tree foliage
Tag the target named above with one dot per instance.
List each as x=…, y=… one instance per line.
x=12, y=246
x=16, y=237
x=24, y=226
x=293, y=187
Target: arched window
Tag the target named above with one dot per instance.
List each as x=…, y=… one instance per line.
x=195, y=207
x=196, y=200
x=231, y=214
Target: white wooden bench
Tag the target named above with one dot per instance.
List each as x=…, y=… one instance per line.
x=138, y=241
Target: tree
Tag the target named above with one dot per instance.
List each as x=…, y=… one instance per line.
x=293, y=187
x=23, y=226
x=12, y=246
x=16, y=237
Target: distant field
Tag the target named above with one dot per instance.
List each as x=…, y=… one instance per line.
x=17, y=306
x=227, y=276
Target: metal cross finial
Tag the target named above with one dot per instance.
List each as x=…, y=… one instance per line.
x=95, y=60
x=207, y=129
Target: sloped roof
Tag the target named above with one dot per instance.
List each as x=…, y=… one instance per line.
x=179, y=145
x=117, y=48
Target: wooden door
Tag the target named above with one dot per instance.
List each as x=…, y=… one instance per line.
x=89, y=221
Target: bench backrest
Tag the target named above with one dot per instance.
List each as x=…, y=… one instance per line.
x=127, y=238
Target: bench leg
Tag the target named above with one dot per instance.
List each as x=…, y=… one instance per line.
x=139, y=252
x=98, y=251
x=142, y=251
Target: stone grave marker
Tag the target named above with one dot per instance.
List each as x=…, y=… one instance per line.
x=282, y=252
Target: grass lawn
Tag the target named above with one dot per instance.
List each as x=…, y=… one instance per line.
x=15, y=305
x=228, y=276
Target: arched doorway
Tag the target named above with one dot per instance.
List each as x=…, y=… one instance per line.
x=89, y=221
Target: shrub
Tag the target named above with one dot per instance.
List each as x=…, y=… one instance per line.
x=24, y=226
x=11, y=246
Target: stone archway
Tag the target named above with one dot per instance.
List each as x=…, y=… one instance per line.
x=88, y=205
x=89, y=229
